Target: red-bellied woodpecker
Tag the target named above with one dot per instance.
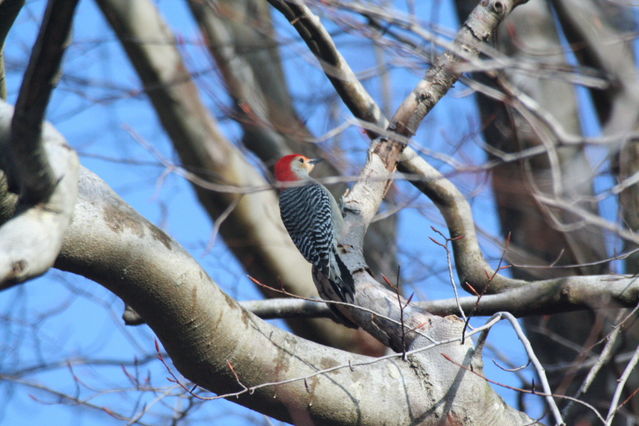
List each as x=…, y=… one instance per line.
x=314, y=222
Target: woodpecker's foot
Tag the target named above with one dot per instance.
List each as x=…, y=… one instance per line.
x=351, y=209
x=343, y=205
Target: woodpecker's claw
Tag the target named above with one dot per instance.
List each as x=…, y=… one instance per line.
x=353, y=210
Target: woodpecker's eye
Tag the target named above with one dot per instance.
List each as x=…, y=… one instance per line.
x=301, y=160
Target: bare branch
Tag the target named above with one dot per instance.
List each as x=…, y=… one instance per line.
x=477, y=29
x=605, y=356
x=471, y=266
x=30, y=166
x=335, y=67
x=8, y=12
x=287, y=308
x=588, y=217
x=621, y=383
x=541, y=373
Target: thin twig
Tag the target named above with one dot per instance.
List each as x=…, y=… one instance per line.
x=402, y=307
x=449, y=262
x=621, y=382
x=536, y=363
x=485, y=288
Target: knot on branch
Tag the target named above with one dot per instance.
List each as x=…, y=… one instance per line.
x=497, y=7
x=389, y=151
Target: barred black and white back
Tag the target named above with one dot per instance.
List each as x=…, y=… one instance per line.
x=309, y=215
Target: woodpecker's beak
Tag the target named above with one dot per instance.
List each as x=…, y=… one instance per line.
x=314, y=161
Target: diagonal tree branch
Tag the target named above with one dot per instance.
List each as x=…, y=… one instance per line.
x=9, y=10
x=202, y=328
x=29, y=164
x=321, y=44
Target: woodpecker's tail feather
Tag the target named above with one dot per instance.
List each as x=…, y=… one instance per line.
x=339, y=277
x=345, y=286
x=328, y=290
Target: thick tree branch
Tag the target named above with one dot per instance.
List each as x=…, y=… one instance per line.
x=29, y=165
x=9, y=10
x=31, y=236
x=201, y=327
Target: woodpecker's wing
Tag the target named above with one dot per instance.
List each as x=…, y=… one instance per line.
x=313, y=220
x=307, y=216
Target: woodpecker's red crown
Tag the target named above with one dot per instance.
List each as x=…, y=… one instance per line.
x=294, y=167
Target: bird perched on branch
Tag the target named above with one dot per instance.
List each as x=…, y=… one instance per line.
x=314, y=222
